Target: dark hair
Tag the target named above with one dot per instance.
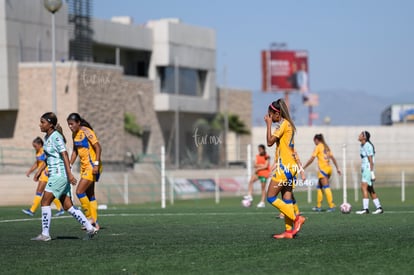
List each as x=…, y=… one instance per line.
x=367, y=136
x=52, y=119
x=77, y=118
x=38, y=140
x=281, y=107
x=262, y=146
x=321, y=139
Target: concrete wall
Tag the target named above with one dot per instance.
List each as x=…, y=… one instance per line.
x=25, y=36
x=239, y=102
x=101, y=94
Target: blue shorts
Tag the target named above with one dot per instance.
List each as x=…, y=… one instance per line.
x=58, y=186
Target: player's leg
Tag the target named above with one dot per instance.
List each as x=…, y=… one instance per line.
x=78, y=215
x=249, y=195
x=365, y=199
x=319, y=197
x=328, y=193
x=375, y=200
x=263, y=181
x=90, y=192
x=37, y=198
x=47, y=199
x=275, y=186
x=81, y=188
x=295, y=205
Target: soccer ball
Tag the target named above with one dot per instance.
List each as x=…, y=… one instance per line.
x=346, y=208
x=246, y=203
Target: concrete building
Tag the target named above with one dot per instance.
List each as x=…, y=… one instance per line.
x=157, y=72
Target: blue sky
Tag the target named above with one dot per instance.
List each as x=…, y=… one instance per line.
x=360, y=46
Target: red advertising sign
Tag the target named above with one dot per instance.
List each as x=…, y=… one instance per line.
x=284, y=70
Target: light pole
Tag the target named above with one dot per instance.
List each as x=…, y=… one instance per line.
x=53, y=6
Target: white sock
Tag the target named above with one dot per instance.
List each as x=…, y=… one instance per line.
x=365, y=203
x=377, y=203
x=46, y=217
x=80, y=217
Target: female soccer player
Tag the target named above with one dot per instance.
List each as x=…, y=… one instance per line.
x=87, y=147
x=283, y=179
x=367, y=152
x=60, y=178
x=39, y=163
x=324, y=154
x=262, y=171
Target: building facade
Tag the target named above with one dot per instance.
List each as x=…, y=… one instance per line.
x=162, y=72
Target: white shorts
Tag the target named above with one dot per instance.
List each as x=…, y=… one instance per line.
x=366, y=176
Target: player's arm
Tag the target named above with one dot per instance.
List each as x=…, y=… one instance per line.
x=98, y=149
x=300, y=166
x=309, y=162
x=263, y=166
x=336, y=164
x=39, y=171
x=34, y=166
x=73, y=156
x=270, y=139
x=371, y=165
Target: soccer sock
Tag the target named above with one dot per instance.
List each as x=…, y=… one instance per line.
x=365, y=203
x=377, y=203
x=46, y=217
x=36, y=202
x=80, y=217
x=329, y=197
x=319, y=197
x=286, y=207
x=288, y=224
x=85, y=203
x=94, y=209
x=295, y=207
x=58, y=204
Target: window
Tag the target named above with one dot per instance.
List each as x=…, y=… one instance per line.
x=190, y=81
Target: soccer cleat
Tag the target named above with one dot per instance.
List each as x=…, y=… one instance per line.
x=317, y=209
x=261, y=205
x=90, y=234
x=248, y=197
x=60, y=213
x=284, y=235
x=331, y=209
x=299, y=221
x=28, y=212
x=378, y=211
x=41, y=238
x=362, y=212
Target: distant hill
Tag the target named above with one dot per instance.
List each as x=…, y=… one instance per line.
x=343, y=107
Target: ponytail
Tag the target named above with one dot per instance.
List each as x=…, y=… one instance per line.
x=60, y=130
x=281, y=107
x=321, y=139
x=78, y=119
x=367, y=136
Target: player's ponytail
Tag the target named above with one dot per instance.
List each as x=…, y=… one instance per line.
x=78, y=119
x=321, y=139
x=367, y=136
x=281, y=107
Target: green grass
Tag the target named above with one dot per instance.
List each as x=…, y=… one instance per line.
x=194, y=237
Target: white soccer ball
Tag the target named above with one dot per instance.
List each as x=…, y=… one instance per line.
x=346, y=208
x=246, y=203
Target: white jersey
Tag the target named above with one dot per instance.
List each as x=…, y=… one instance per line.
x=366, y=150
x=53, y=147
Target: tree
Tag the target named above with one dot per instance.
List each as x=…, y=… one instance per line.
x=131, y=126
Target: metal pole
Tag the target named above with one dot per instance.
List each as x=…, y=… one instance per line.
x=403, y=186
x=162, y=177
x=217, y=189
x=345, y=199
x=226, y=116
x=249, y=162
x=177, y=113
x=126, y=192
x=54, y=97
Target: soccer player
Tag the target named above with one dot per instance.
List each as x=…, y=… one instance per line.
x=86, y=145
x=38, y=164
x=324, y=154
x=367, y=152
x=262, y=172
x=284, y=177
x=60, y=178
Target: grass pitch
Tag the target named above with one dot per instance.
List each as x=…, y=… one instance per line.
x=194, y=237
